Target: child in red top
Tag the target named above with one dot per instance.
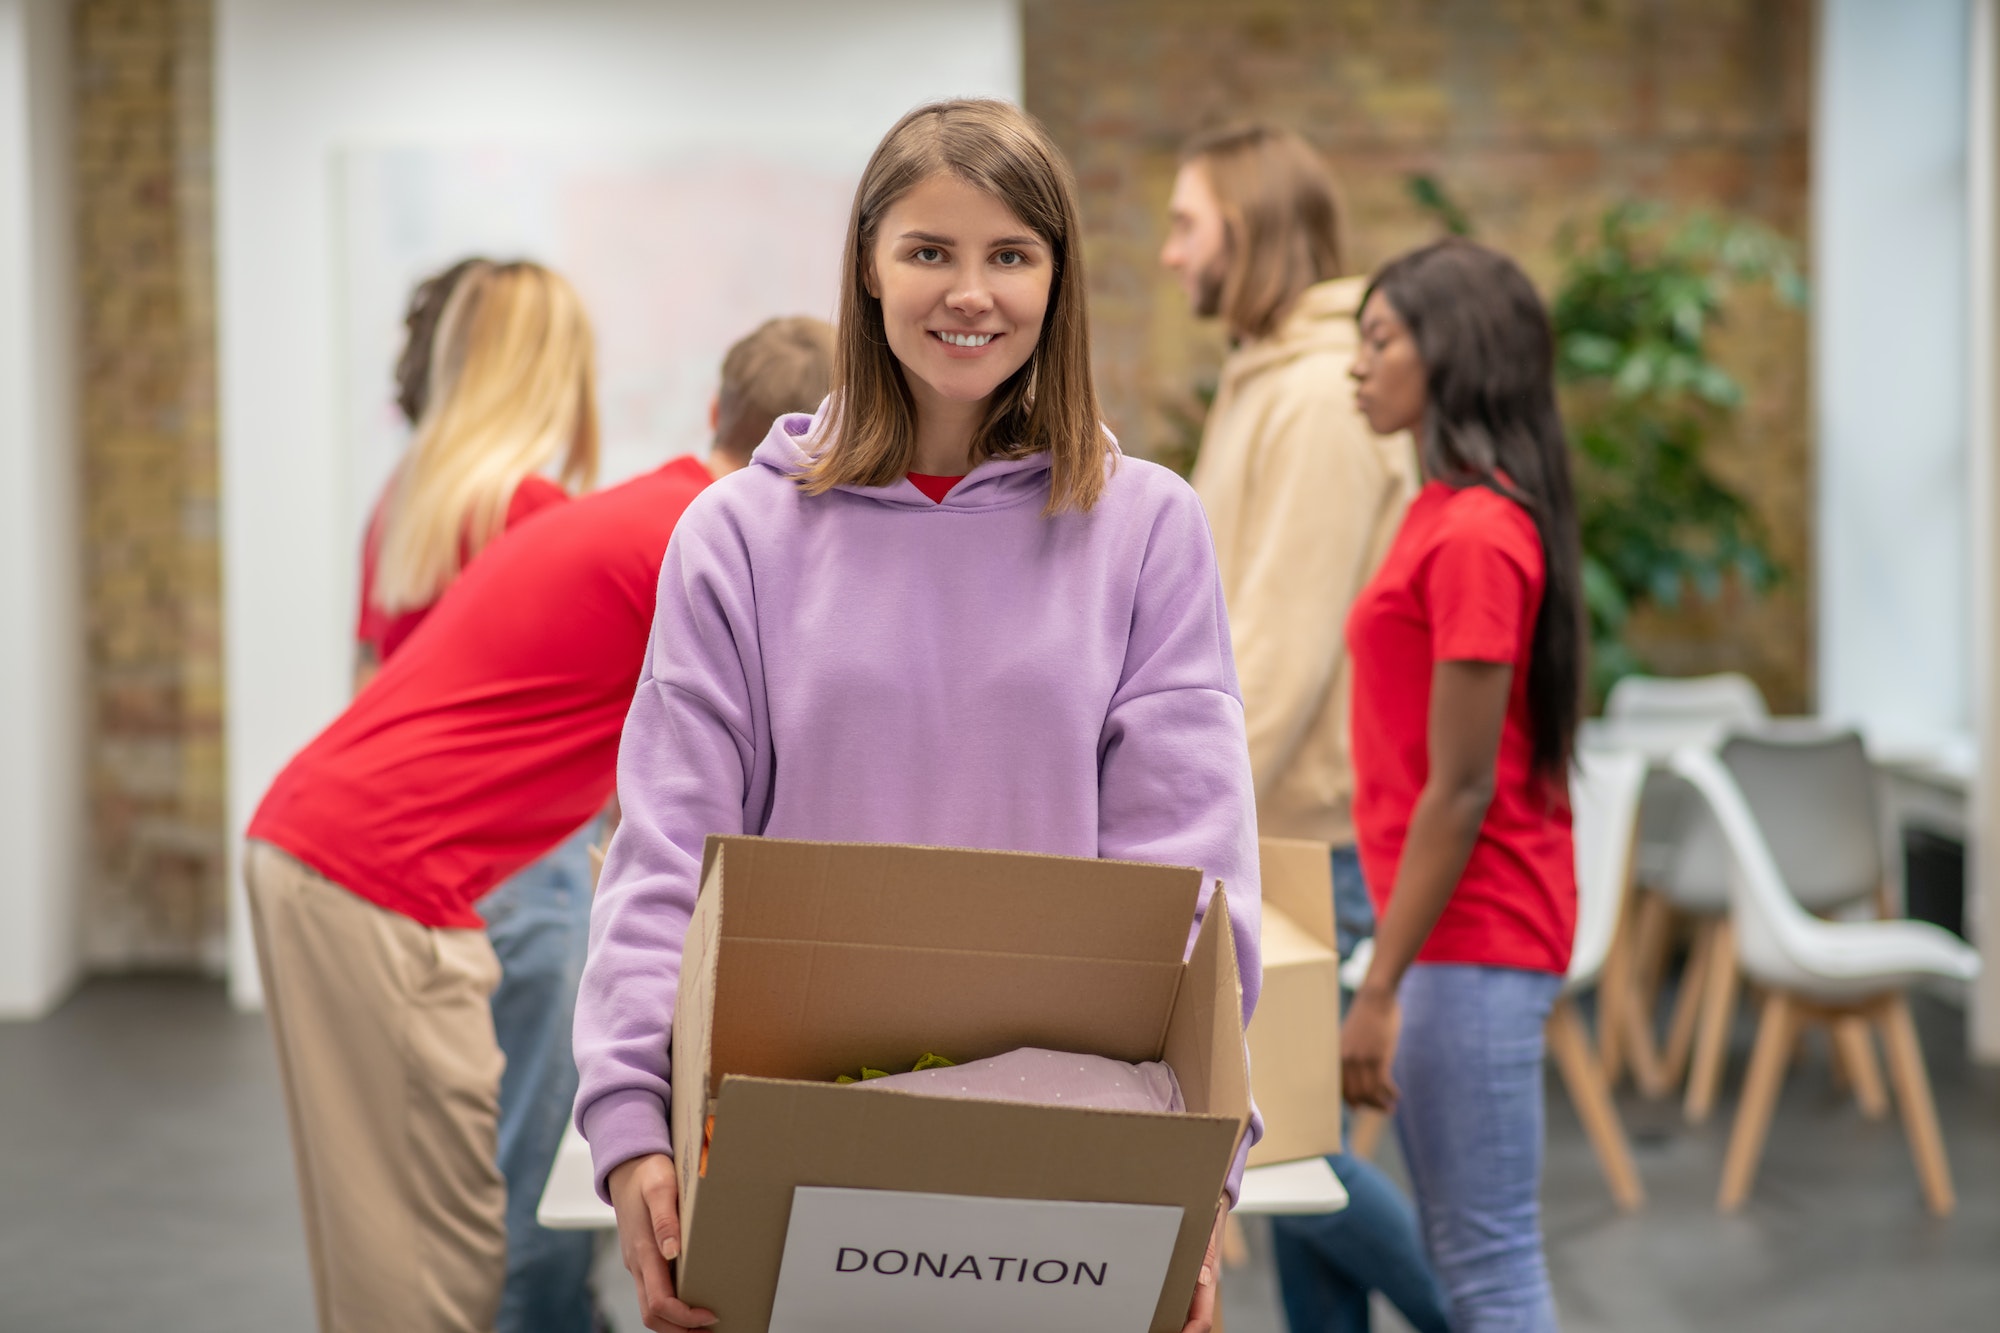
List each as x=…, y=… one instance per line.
x=1467, y=659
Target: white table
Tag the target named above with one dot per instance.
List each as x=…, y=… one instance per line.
x=1657, y=738
x=1946, y=760
x=1925, y=782
x=1290, y=1188
x=570, y=1202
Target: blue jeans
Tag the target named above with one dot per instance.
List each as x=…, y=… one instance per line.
x=1353, y=909
x=1469, y=1065
x=539, y=923
x=1327, y=1264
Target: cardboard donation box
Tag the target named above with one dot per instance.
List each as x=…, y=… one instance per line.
x=1295, y=1033
x=815, y=1206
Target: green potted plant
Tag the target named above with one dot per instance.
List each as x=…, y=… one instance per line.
x=1633, y=309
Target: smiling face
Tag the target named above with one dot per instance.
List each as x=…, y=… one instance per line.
x=964, y=287
x=1388, y=371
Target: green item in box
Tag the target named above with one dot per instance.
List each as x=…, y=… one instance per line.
x=928, y=1060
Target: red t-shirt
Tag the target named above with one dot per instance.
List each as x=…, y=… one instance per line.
x=935, y=487
x=1461, y=583
x=386, y=632
x=494, y=735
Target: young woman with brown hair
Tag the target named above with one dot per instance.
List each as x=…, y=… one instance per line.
x=950, y=605
x=1468, y=668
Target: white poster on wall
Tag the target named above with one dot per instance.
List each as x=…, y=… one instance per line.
x=675, y=255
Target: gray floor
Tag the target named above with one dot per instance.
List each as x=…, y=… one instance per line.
x=145, y=1183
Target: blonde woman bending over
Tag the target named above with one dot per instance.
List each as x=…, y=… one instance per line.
x=499, y=380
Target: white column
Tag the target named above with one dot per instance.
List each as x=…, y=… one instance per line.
x=41, y=736
x=1982, y=363
x=1890, y=323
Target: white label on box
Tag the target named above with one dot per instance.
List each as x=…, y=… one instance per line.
x=866, y=1261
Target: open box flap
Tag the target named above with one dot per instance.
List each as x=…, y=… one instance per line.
x=1297, y=876
x=1295, y=1037
x=1295, y=1045
x=693, y=1019
x=813, y=1010
x=772, y=1135
x=1204, y=1035
x=994, y=902
x=1285, y=943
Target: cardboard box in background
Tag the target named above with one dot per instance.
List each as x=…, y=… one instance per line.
x=1295, y=1033
x=807, y=960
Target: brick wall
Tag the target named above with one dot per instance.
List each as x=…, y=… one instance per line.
x=1533, y=113
x=153, y=580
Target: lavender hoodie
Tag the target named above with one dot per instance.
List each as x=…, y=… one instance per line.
x=869, y=666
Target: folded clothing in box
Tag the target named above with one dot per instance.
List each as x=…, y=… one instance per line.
x=1046, y=1078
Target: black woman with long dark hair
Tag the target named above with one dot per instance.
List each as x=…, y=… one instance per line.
x=1467, y=658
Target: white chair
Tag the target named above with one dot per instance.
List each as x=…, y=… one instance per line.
x=1818, y=970
x=1818, y=804
x=1604, y=802
x=1814, y=796
x=1817, y=801
x=1683, y=866
x=1726, y=699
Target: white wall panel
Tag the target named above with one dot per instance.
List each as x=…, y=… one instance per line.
x=41, y=735
x=1890, y=324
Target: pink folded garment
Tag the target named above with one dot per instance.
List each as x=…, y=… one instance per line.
x=1047, y=1078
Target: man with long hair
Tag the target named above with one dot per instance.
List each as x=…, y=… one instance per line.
x=1303, y=500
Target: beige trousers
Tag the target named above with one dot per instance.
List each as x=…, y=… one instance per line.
x=392, y=1084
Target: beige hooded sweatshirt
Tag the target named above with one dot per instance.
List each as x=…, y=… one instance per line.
x=1303, y=500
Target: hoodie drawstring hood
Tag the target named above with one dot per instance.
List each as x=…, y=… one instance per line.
x=997, y=483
